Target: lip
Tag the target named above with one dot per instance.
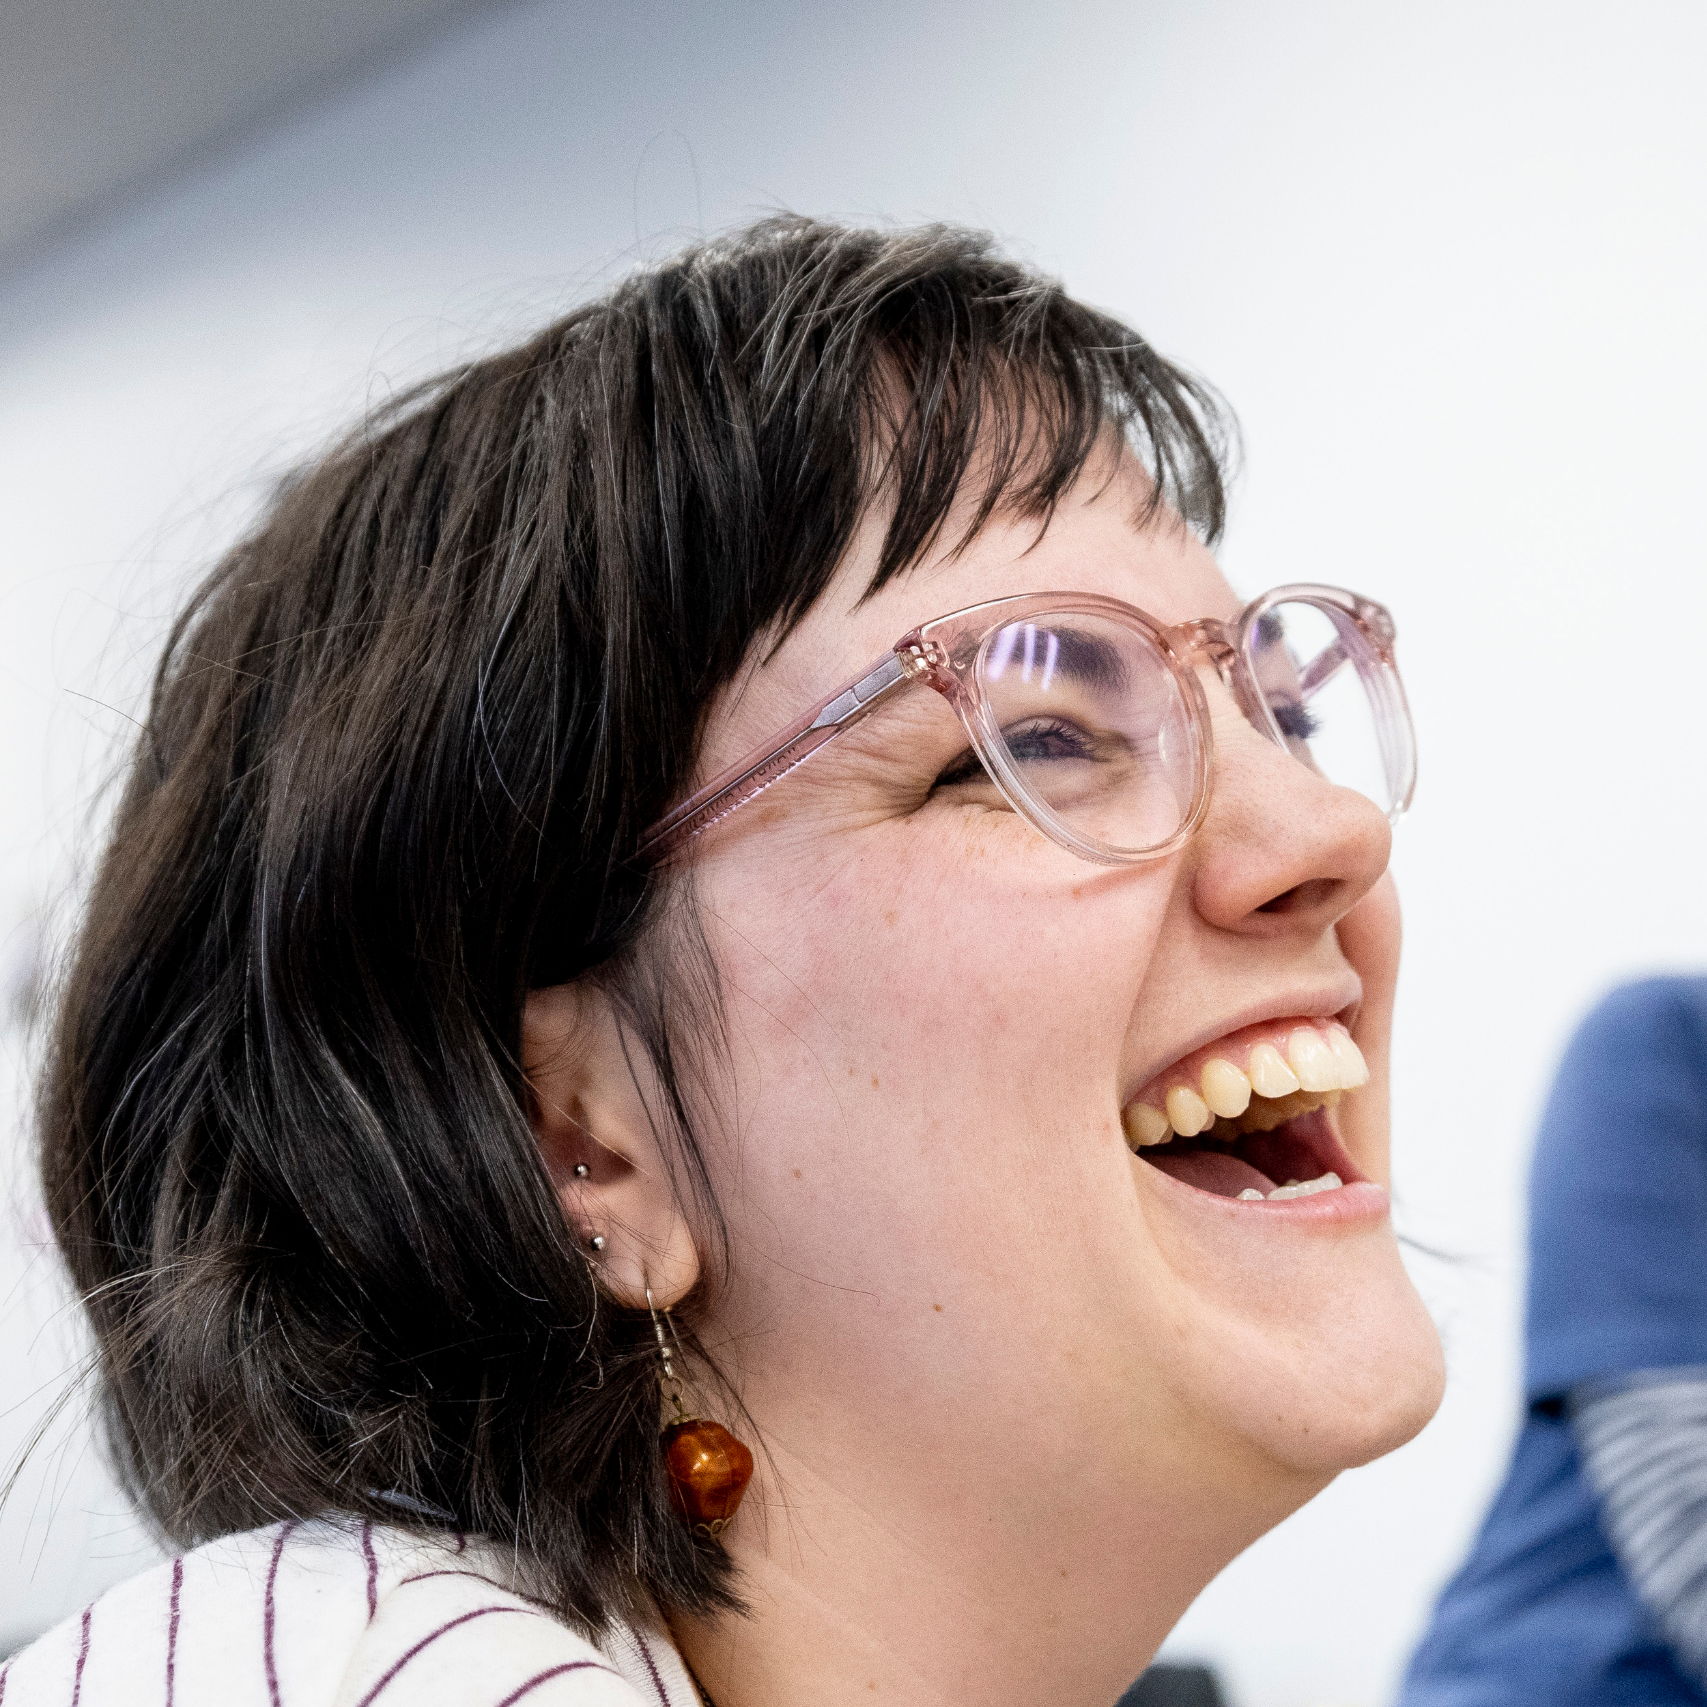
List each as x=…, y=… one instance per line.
x=1340, y=1000
x=1359, y=1204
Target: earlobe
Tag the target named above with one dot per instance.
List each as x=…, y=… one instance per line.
x=600, y=1148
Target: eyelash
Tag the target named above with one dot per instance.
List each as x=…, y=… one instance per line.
x=1297, y=721
x=964, y=767
x=968, y=767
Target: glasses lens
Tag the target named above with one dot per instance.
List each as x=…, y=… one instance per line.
x=1092, y=727
x=1323, y=683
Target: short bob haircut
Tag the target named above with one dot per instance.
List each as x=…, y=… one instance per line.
x=398, y=756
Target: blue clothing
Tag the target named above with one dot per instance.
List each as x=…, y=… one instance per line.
x=1541, y=1612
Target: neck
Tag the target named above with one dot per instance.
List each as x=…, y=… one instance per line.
x=859, y=1590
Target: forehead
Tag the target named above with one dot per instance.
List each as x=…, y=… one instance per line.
x=1093, y=544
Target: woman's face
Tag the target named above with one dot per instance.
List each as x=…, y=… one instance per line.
x=952, y=1276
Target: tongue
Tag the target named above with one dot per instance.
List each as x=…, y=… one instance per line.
x=1215, y=1171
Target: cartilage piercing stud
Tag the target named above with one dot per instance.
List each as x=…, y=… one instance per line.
x=597, y=1241
x=582, y=1170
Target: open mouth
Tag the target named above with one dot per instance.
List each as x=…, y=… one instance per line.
x=1250, y=1115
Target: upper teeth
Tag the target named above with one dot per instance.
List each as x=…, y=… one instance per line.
x=1270, y=1075
x=1315, y=1061
x=1188, y=1113
x=1227, y=1090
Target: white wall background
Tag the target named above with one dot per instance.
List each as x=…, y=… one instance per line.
x=1448, y=262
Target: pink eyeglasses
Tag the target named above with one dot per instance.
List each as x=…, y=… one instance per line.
x=1091, y=720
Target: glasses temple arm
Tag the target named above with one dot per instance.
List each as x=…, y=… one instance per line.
x=751, y=776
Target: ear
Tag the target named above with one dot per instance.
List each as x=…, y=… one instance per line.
x=600, y=1151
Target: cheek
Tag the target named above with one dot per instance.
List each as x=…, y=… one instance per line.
x=930, y=1034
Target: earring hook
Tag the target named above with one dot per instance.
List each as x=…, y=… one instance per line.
x=671, y=1382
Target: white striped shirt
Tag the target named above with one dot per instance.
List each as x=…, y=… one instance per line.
x=337, y=1614
x=1643, y=1438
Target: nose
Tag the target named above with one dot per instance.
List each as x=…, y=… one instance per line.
x=1281, y=848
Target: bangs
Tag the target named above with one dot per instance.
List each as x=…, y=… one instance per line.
x=970, y=382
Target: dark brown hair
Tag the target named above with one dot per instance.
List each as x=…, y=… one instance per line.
x=400, y=749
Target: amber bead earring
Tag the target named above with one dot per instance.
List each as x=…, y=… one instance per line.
x=707, y=1468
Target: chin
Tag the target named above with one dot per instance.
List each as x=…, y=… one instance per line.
x=1292, y=1371
x=1346, y=1387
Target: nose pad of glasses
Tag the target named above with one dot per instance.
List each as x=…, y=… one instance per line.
x=1230, y=672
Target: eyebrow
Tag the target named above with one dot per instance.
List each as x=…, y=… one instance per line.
x=1055, y=651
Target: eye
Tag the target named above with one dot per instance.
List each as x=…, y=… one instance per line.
x=965, y=767
x=1041, y=740
x=1297, y=721
x=1032, y=741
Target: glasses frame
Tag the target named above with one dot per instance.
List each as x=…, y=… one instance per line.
x=943, y=654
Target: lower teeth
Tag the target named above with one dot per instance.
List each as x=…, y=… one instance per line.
x=1293, y=1188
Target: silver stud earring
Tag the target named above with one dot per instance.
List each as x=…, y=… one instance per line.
x=597, y=1241
x=582, y=1170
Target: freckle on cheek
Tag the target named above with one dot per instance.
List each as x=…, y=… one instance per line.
x=874, y=1081
x=797, y=1173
